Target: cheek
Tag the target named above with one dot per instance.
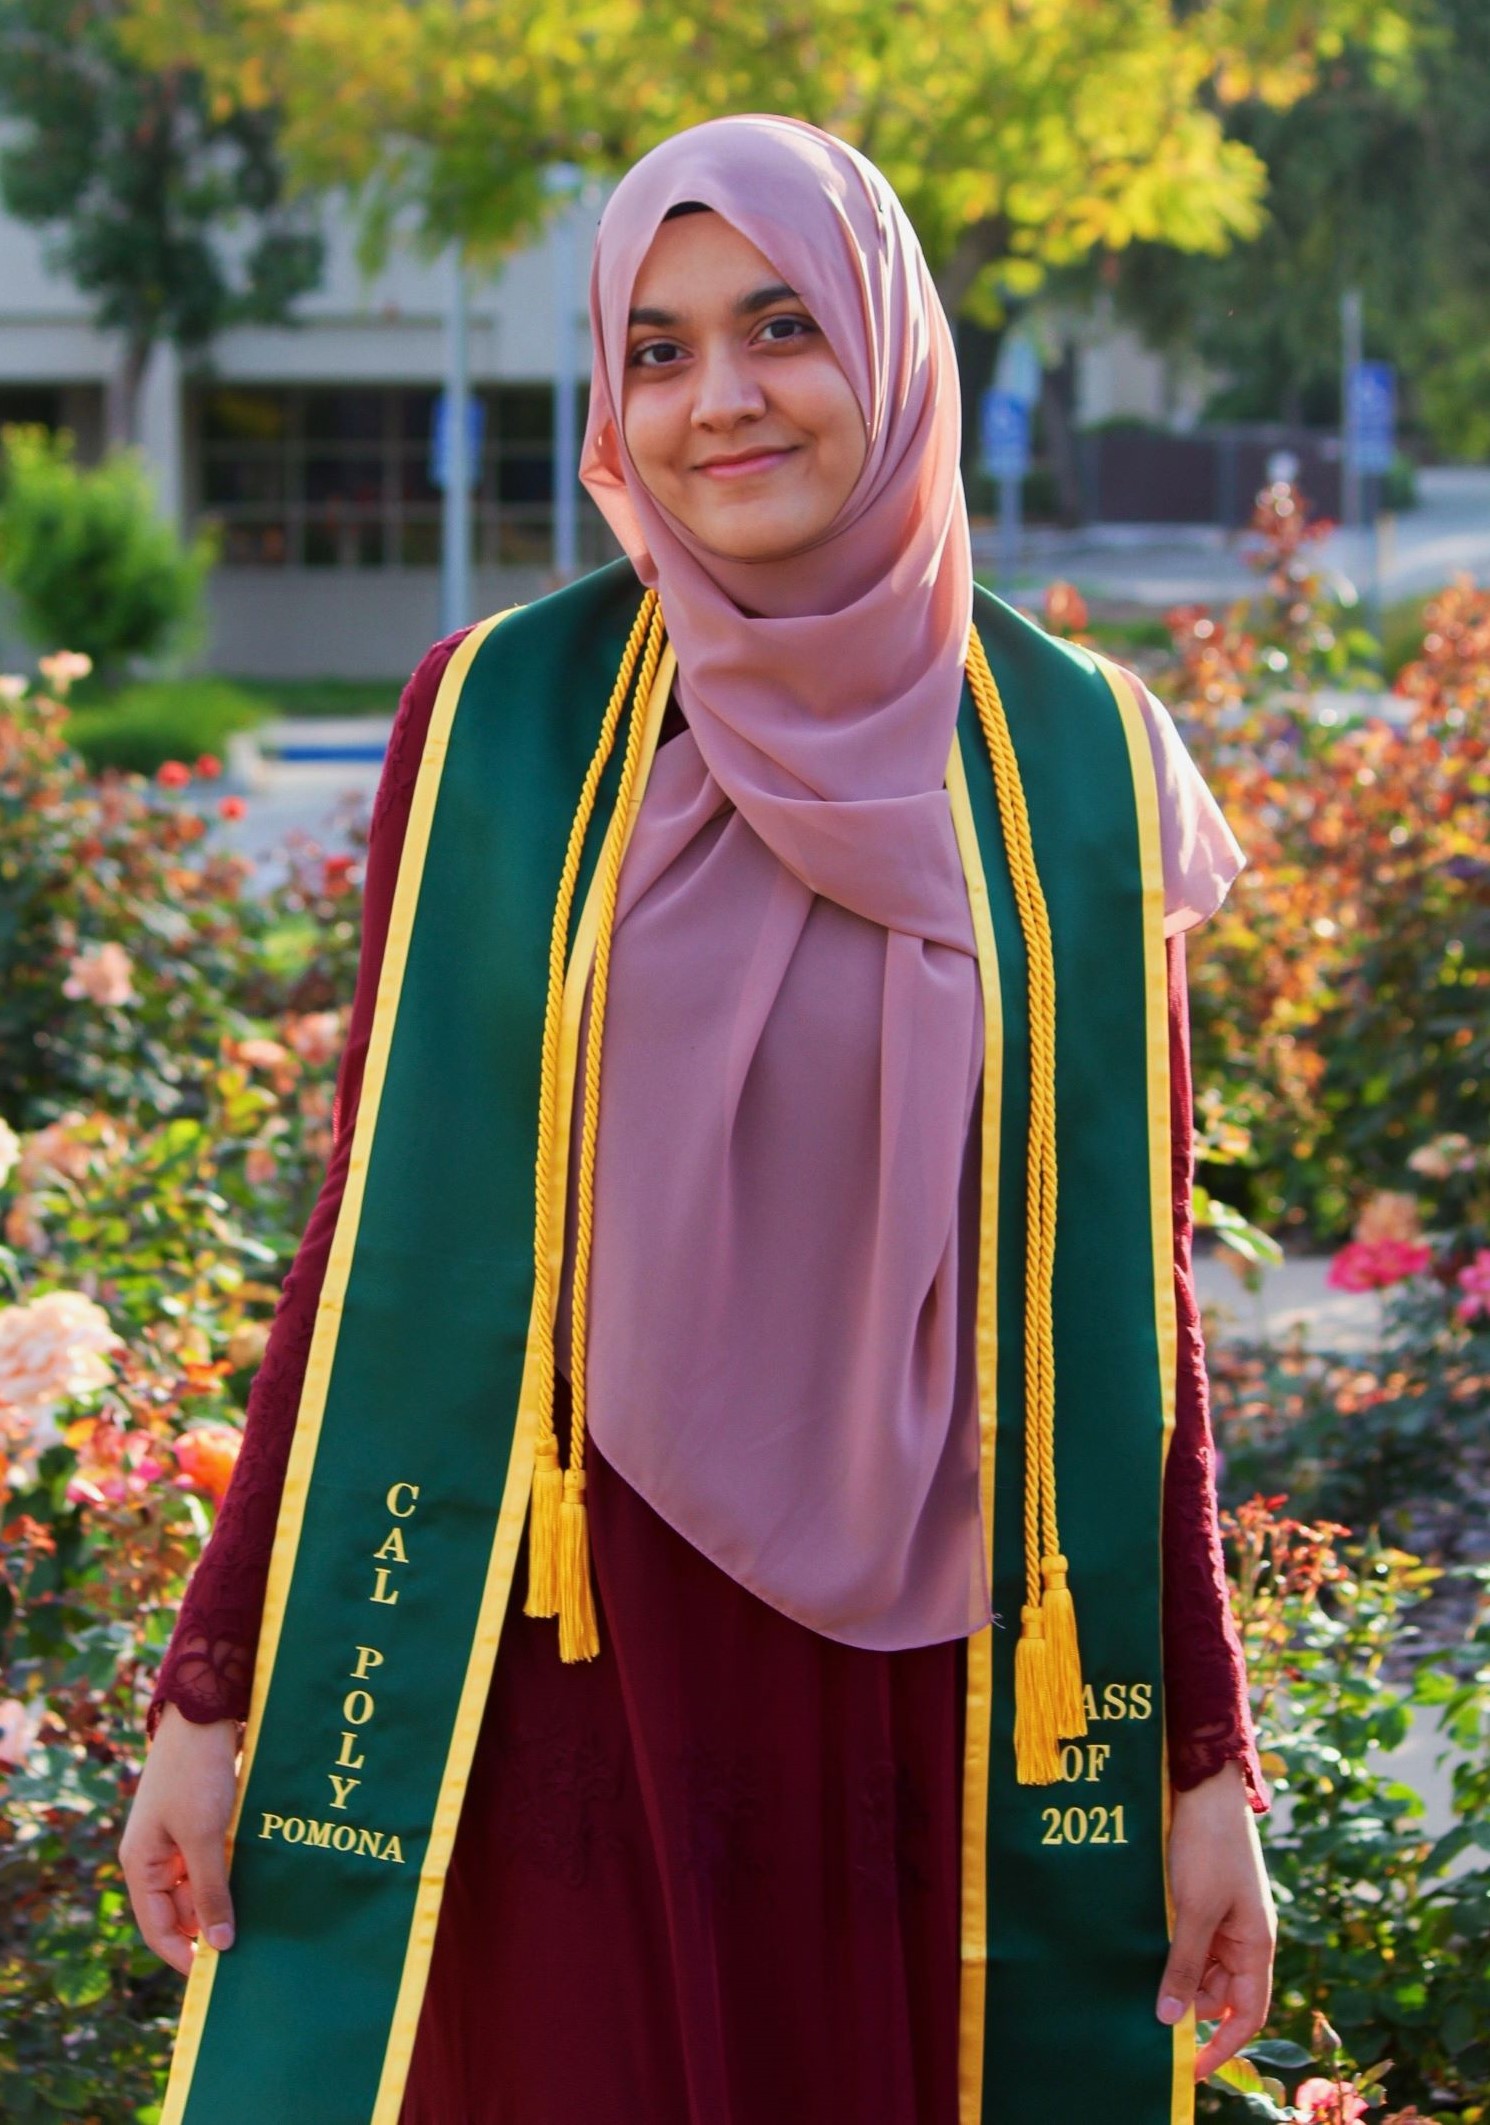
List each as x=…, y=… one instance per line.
x=647, y=430
x=838, y=420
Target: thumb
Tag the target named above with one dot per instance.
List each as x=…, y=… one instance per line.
x=1194, y=1930
x=207, y=1872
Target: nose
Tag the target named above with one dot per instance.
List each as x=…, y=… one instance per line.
x=725, y=389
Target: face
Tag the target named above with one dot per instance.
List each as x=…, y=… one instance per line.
x=723, y=362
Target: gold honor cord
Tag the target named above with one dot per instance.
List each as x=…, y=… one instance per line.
x=1049, y=1702
x=558, y=1551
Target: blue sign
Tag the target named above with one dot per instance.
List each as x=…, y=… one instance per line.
x=439, y=441
x=1006, y=435
x=1371, y=416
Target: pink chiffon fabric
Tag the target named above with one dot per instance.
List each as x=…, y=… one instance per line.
x=792, y=1052
x=793, y=1044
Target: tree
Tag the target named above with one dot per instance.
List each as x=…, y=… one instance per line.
x=1379, y=179
x=164, y=197
x=1021, y=134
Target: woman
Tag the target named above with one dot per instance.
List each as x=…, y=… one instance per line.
x=805, y=1317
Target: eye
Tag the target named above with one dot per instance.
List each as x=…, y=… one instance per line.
x=653, y=346
x=801, y=325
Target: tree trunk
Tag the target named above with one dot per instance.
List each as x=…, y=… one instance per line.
x=1057, y=404
x=122, y=412
x=979, y=244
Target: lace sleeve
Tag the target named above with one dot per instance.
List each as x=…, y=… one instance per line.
x=207, y=1669
x=1205, y=1675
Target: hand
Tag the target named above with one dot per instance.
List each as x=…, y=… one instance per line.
x=174, y=1847
x=1225, y=1927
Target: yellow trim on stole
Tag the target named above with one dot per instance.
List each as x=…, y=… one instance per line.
x=973, y=1991
x=328, y=1314
x=502, y=1564
x=1161, y=1193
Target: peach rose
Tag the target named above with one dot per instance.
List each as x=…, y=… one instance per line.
x=101, y=975
x=316, y=1038
x=24, y=1230
x=62, y=667
x=50, y=1350
x=260, y=1166
x=54, y=1153
x=20, y=1724
x=1387, y=1217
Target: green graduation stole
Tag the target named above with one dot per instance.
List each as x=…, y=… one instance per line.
x=425, y=1423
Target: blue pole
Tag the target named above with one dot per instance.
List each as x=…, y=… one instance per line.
x=455, y=518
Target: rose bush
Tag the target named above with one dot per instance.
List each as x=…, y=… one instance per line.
x=168, y=1038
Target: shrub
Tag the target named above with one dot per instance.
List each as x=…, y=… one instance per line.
x=143, y=725
x=1341, y=996
x=87, y=555
x=1381, y=1926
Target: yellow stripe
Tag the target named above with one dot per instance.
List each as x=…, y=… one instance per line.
x=1161, y=1195
x=503, y=1561
x=977, y=1739
x=328, y=1313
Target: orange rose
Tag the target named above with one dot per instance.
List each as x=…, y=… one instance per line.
x=206, y=1455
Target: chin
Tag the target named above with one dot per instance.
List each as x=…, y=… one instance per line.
x=765, y=542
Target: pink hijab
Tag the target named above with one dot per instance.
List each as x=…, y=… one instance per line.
x=793, y=1037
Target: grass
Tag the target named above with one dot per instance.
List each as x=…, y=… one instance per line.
x=326, y=697
x=153, y=720
x=142, y=724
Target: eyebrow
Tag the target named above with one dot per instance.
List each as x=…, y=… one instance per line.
x=759, y=299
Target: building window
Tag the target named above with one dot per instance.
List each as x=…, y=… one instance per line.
x=311, y=477
x=79, y=408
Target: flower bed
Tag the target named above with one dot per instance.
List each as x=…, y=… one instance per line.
x=168, y=1039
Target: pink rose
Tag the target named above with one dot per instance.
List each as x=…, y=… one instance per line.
x=1328, y=2102
x=1374, y=1265
x=53, y=1153
x=1474, y=1281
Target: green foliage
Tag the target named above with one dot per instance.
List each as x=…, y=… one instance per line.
x=87, y=555
x=1340, y=995
x=1380, y=1925
x=167, y=1041
x=164, y=200
x=1378, y=178
x=141, y=726
x=1020, y=134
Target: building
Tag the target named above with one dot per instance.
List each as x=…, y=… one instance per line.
x=309, y=444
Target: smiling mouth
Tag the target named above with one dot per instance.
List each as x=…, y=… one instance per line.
x=745, y=467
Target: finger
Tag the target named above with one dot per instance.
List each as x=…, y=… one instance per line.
x=1214, y=1996
x=155, y=1915
x=1243, y=2018
x=1189, y=1954
x=1225, y=2041
x=186, y=1909
x=207, y=1875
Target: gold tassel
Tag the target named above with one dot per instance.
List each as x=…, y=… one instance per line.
x=1063, y=1652
x=1037, y=1754
x=579, y=1631
x=543, y=1532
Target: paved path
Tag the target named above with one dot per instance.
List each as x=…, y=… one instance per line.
x=1159, y=565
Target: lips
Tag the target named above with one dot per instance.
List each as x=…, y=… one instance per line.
x=745, y=467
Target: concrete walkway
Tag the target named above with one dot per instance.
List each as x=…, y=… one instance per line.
x=1420, y=550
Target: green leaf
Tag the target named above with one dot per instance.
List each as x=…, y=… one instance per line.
x=1277, y=2051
